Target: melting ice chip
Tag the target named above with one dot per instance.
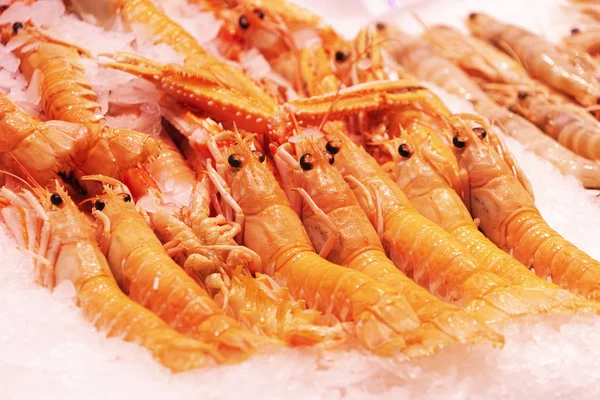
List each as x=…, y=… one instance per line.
x=65, y=290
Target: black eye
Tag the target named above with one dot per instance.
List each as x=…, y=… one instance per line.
x=330, y=157
x=258, y=154
x=575, y=31
x=480, y=132
x=259, y=12
x=340, y=56
x=522, y=95
x=126, y=198
x=458, y=142
x=56, y=199
x=306, y=162
x=404, y=150
x=16, y=27
x=472, y=16
x=99, y=205
x=244, y=23
x=235, y=160
x=380, y=26
x=333, y=146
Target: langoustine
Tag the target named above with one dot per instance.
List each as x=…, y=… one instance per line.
x=477, y=58
x=151, y=278
x=424, y=251
x=185, y=85
x=205, y=83
x=258, y=302
x=508, y=216
x=426, y=180
x=419, y=58
x=50, y=226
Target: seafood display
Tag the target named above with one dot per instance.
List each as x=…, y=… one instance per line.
x=333, y=202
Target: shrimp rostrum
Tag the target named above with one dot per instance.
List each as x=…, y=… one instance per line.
x=51, y=227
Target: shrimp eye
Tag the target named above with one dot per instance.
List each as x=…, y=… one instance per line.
x=244, y=23
x=333, y=146
x=306, y=162
x=575, y=31
x=330, y=157
x=522, y=95
x=260, y=155
x=472, y=16
x=380, y=26
x=16, y=27
x=340, y=56
x=259, y=13
x=56, y=199
x=99, y=205
x=404, y=150
x=235, y=160
x=480, y=132
x=458, y=142
x=127, y=198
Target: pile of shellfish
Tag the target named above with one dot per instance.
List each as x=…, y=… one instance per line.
x=295, y=188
